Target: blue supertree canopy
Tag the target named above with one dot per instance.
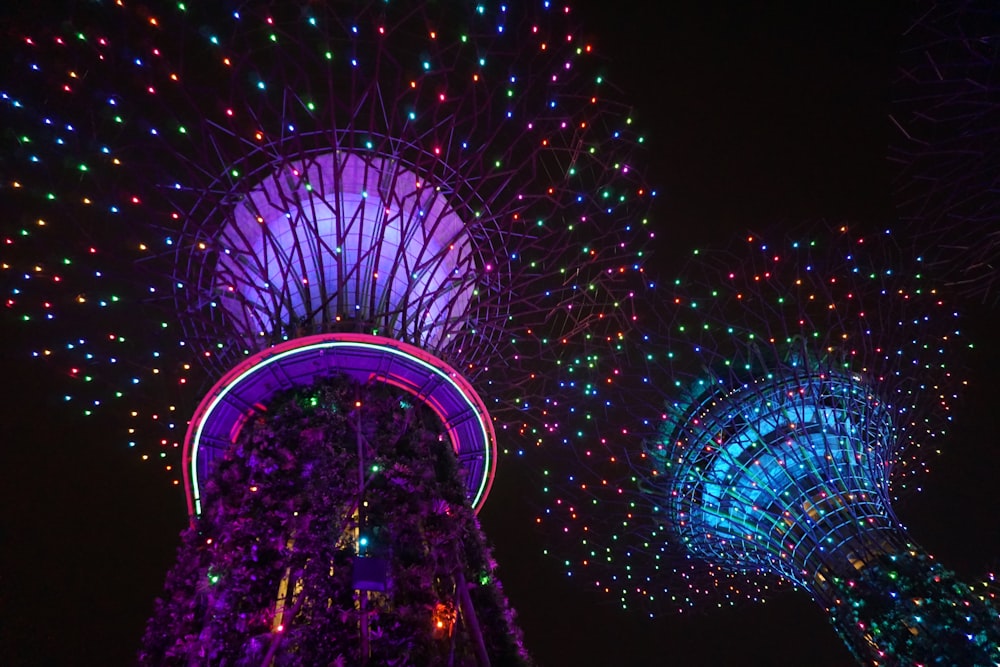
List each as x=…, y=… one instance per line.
x=794, y=389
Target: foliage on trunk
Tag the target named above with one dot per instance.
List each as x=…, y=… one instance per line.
x=905, y=609
x=323, y=477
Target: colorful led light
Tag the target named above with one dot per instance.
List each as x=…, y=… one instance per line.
x=482, y=207
x=441, y=192
x=794, y=389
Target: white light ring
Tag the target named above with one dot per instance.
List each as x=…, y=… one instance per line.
x=218, y=411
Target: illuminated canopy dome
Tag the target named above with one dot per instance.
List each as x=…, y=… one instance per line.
x=782, y=472
x=792, y=391
x=344, y=236
x=324, y=197
x=448, y=175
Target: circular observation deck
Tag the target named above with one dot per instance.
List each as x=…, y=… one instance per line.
x=246, y=389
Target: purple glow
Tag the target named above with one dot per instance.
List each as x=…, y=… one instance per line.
x=340, y=236
x=361, y=357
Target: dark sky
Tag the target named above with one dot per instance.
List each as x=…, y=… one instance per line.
x=752, y=119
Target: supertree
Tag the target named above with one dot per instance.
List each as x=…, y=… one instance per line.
x=944, y=153
x=349, y=220
x=795, y=389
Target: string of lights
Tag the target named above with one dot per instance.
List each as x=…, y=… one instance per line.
x=794, y=390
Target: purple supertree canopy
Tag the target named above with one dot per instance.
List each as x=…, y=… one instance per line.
x=191, y=186
x=945, y=152
x=795, y=388
x=367, y=236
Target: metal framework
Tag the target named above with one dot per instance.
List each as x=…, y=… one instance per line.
x=438, y=196
x=946, y=110
x=443, y=175
x=795, y=388
x=781, y=472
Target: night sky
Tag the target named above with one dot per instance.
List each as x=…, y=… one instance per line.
x=752, y=120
